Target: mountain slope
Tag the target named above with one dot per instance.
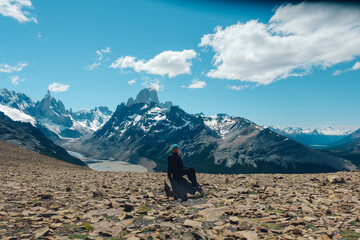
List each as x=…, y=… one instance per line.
x=12, y=156
x=348, y=148
x=143, y=133
x=351, y=137
x=26, y=136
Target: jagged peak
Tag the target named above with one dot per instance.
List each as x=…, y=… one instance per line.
x=48, y=94
x=147, y=95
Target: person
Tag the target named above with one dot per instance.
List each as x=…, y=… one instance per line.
x=176, y=168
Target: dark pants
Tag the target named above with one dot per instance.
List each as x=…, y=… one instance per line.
x=190, y=173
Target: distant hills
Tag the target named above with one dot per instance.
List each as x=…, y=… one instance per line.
x=142, y=130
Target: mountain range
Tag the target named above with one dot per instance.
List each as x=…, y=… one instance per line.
x=322, y=137
x=142, y=130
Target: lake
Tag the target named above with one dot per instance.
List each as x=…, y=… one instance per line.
x=109, y=165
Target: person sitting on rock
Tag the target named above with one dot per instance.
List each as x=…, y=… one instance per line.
x=176, y=168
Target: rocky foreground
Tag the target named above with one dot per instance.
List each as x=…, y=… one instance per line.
x=44, y=198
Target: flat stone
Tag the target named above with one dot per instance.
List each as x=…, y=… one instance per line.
x=40, y=232
x=213, y=214
x=192, y=223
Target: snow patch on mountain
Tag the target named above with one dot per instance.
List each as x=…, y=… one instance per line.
x=92, y=119
x=221, y=123
x=17, y=115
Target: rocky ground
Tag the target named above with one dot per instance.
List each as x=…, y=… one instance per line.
x=43, y=198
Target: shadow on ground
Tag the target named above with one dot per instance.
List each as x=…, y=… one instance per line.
x=180, y=188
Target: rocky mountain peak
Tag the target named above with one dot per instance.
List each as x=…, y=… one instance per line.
x=147, y=95
x=48, y=94
x=49, y=103
x=16, y=100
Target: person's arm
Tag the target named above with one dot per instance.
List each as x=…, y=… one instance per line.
x=182, y=165
x=169, y=168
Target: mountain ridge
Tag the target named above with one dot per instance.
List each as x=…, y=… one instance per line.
x=321, y=137
x=144, y=132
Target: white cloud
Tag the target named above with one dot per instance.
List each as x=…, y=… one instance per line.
x=356, y=66
x=239, y=87
x=132, y=81
x=93, y=66
x=196, y=83
x=296, y=39
x=6, y=68
x=153, y=84
x=171, y=63
x=58, y=87
x=14, y=9
x=16, y=80
x=100, y=54
x=102, y=51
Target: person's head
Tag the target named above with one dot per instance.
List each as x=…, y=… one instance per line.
x=175, y=148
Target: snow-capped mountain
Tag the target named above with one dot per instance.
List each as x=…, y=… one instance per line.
x=321, y=137
x=148, y=95
x=54, y=120
x=94, y=118
x=325, y=130
x=143, y=132
x=17, y=100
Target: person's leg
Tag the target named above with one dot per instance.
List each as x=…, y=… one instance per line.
x=190, y=173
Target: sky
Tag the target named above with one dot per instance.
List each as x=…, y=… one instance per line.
x=274, y=63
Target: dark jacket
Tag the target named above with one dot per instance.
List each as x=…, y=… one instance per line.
x=175, y=165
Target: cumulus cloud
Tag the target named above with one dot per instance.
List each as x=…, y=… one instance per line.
x=295, y=40
x=238, y=87
x=58, y=87
x=15, y=9
x=6, y=68
x=196, y=83
x=100, y=53
x=171, y=63
x=131, y=82
x=16, y=80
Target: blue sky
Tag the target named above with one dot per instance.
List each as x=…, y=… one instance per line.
x=275, y=64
